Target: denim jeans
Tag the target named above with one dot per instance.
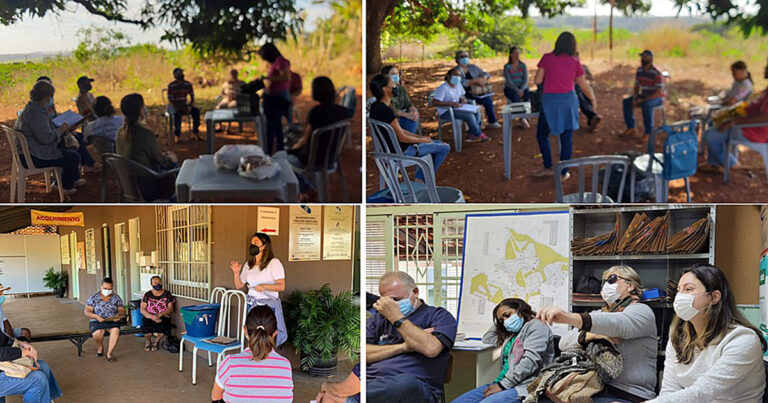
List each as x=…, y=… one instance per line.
x=277, y=308
x=586, y=105
x=598, y=398
x=476, y=395
x=398, y=389
x=275, y=107
x=437, y=149
x=37, y=387
x=512, y=95
x=487, y=103
x=542, y=135
x=716, y=143
x=469, y=117
x=69, y=163
x=647, y=107
x=408, y=124
x=85, y=156
x=177, y=115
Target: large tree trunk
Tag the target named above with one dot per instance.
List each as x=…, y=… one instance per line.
x=377, y=12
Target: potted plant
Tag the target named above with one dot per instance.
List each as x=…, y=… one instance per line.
x=320, y=326
x=57, y=280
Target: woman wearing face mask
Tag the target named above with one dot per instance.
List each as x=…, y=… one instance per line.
x=101, y=306
x=407, y=114
x=258, y=374
x=384, y=89
x=527, y=348
x=713, y=354
x=451, y=94
x=264, y=276
x=624, y=321
x=156, y=309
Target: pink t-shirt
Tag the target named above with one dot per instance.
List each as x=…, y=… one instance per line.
x=560, y=72
x=280, y=63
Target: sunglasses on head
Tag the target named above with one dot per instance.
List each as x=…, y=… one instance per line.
x=613, y=278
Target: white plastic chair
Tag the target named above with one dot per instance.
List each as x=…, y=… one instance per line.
x=347, y=97
x=318, y=166
x=224, y=328
x=18, y=143
x=217, y=295
x=392, y=169
x=761, y=148
x=455, y=123
x=380, y=132
x=169, y=117
x=596, y=195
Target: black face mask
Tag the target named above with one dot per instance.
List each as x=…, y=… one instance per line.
x=395, y=91
x=254, y=250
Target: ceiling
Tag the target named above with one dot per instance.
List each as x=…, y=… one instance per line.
x=13, y=217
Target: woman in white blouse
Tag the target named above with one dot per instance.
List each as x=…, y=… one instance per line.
x=714, y=354
x=264, y=276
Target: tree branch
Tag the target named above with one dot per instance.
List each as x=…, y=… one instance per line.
x=112, y=17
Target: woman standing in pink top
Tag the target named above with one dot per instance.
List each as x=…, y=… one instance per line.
x=258, y=374
x=277, y=96
x=557, y=73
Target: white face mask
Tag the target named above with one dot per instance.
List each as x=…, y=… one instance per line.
x=610, y=292
x=684, y=306
x=106, y=293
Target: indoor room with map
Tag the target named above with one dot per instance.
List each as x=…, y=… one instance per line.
x=538, y=303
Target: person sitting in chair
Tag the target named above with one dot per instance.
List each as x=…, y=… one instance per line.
x=407, y=114
x=648, y=94
x=106, y=311
x=179, y=90
x=106, y=123
x=84, y=100
x=229, y=91
x=473, y=76
x=39, y=386
x=408, y=344
x=21, y=333
x=156, y=310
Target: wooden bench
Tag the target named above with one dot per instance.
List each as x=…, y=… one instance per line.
x=79, y=338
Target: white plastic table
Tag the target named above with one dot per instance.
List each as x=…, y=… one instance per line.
x=507, y=130
x=229, y=115
x=200, y=181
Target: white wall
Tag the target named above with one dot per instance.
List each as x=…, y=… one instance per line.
x=24, y=260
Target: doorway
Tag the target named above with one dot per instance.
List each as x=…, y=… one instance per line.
x=75, y=264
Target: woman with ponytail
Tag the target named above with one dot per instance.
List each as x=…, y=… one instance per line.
x=741, y=88
x=258, y=374
x=264, y=276
x=713, y=354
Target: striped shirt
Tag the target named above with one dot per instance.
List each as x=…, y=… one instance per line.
x=649, y=81
x=178, y=92
x=246, y=380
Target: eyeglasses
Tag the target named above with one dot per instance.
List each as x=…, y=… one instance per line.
x=614, y=278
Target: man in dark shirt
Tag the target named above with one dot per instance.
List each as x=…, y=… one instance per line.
x=647, y=94
x=408, y=344
x=178, y=92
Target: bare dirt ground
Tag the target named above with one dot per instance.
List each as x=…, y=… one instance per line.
x=479, y=169
x=188, y=148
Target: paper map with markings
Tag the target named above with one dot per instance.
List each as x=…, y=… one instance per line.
x=513, y=255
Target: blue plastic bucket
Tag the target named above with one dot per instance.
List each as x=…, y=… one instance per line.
x=200, y=320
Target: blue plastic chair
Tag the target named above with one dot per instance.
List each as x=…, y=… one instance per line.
x=217, y=296
x=224, y=329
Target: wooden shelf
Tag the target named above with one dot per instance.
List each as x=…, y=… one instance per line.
x=643, y=257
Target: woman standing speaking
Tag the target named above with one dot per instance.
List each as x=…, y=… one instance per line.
x=264, y=276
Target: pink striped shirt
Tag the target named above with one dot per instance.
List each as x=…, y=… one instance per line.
x=246, y=380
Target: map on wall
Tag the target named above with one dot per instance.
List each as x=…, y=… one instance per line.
x=520, y=255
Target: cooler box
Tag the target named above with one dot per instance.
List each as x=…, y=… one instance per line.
x=200, y=320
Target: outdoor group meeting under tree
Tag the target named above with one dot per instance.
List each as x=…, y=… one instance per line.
x=195, y=101
x=566, y=101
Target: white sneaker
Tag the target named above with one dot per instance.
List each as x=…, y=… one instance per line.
x=494, y=125
x=79, y=182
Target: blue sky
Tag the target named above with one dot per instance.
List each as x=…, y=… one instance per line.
x=58, y=33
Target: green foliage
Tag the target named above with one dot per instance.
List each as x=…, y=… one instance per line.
x=98, y=43
x=731, y=13
x=55, y=279
x=507, y=31
x=321, y=325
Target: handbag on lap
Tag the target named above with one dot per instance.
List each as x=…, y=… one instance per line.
x=20, y=367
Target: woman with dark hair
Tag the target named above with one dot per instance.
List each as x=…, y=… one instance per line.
x=625, y=322
x=106, y=312
x=106, y=123
x=384, y=89
x=516, y=80
x=156, y=309
x=264, y=276
x=326, y=112
x=450, y=94
x=742, y=84
x=277, y=96
x=44, y=138
x=528, y=346
x=714, y=354
x=559, y=116
x=407, y=114
x=258, y=374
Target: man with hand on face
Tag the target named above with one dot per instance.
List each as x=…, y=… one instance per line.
x=408, y=344
x=648, y=94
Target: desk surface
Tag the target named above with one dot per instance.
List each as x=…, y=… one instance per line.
x=200, y=180
x=228, y=115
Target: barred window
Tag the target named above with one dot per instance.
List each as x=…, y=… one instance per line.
x=184, y=249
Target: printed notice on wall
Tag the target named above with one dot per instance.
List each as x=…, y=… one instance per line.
x=304, y=237
x=80, y=256
x=90, y=250
x=268, y=220
x=65, y=249
x=338, y=224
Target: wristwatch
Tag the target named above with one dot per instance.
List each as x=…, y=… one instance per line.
x=399, y=322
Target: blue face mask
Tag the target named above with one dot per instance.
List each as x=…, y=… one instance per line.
x=50, y=103
x=464, y=61
x=395, y=78
x=406, y=307
x=455, y=80
x=513, y=323
x=2, y=299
